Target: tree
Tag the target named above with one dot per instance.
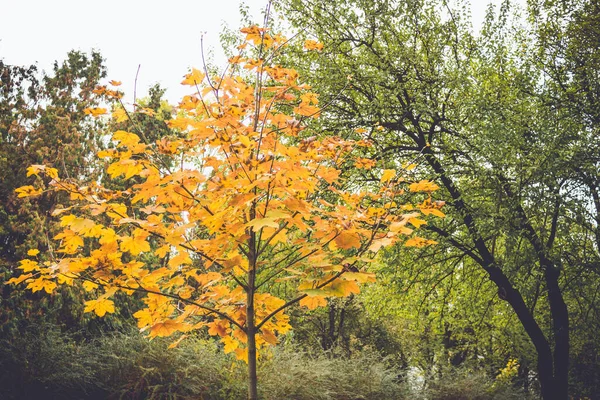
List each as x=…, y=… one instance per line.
x=251, y=216
x=469, y=111
x=42, y=121
x=567, y=38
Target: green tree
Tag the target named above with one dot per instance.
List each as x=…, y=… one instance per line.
x=567, y=36
x=473, y=114
x=43, y=121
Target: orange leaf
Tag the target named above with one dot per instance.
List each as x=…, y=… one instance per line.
x=312, y=302
x=193, y=78
x=217, y=327
x=347, y=240
x=166, y=328
x=269, y=337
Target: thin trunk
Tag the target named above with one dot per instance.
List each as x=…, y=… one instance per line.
x=250, y=315
x=251, y=334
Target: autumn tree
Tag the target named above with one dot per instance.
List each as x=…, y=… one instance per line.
x=238, y=215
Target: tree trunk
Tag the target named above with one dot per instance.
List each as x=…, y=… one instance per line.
x=552, y=367
x=251, y=334
x=250, y=322
x=560, y=328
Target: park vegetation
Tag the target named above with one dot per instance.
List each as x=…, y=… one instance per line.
x=384, y=204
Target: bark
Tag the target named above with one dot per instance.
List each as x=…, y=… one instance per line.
x=251, y=334
x=250, y=315
x=552, y=367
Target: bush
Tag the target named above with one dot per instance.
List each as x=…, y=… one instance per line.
x=292, y=374
x=467, y=385
x=44, y=363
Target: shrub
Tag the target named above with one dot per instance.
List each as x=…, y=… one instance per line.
x=43, y=362
x=462, y=384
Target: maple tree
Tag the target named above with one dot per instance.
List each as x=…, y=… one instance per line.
x=238, y=215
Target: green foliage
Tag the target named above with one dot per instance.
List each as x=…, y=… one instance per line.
x=482, y=116
x=45, y=362
x=42, y=121
x=468, y=385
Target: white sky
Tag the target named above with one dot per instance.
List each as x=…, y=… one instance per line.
x=161, y=36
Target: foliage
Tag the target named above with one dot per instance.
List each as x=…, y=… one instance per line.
x=250, y=216
x=46, y=362
x=469, y=385
x=43, y=121
x=478, y=115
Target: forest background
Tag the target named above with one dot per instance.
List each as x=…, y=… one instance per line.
x=504, y=121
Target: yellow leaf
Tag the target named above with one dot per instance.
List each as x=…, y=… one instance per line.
x=312, y=302
x=343, y=288
x=241, y=354
x=33, y=252
x=230, y=344
x=193, y=78
x=162, y=250
x=65, y=280
x=16, y=281
x=136, y=243
x=276, y=214
x=95, y=111
x=89, y=286
x=417, y=222
x=176, y=343
x=379, y=243
x=52, y=173
x=217, y=327
x=388, y=174
x=418, y=242
x=58, y=211
x=433, y=211
x=144, y=318
x=100, y=306
x=313, y=45
x=244, y=140
x=27, y=191
x=125, y=167
x=269, y=337
x=166, y=328
x=28, y=265
x=423, y=186
x=360, y=277
x=364, y=163
x=115, y=83
x=35, y=169
x=81, y=225
x=40, y=284
x=120, y=115
x=258, y=223
x=126, y=138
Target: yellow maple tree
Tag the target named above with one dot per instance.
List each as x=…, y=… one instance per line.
x=254, y=203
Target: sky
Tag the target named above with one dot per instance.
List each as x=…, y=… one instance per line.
x=162, y=37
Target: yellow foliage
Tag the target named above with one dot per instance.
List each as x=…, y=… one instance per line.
x=388, y=175
x=242, y=195
x=100, y=306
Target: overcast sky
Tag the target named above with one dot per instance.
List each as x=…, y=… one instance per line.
x=161, y=36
